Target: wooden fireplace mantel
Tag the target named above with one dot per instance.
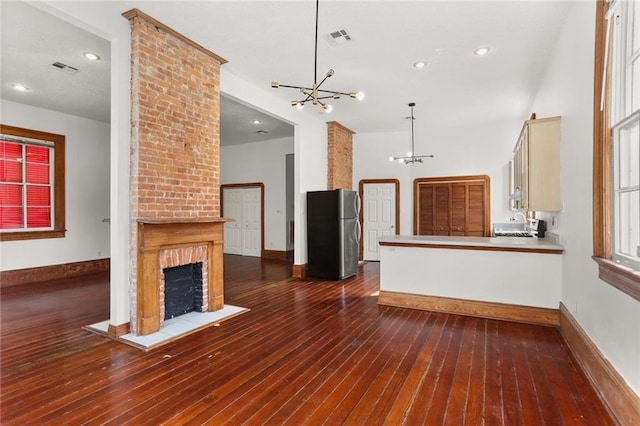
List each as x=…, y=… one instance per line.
x=160, y=234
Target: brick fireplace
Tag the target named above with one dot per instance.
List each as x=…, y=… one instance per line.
x=175, y=191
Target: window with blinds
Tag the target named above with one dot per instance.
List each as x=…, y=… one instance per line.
x=26, y=184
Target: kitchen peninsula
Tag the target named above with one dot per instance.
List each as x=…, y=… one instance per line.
x=516, y=279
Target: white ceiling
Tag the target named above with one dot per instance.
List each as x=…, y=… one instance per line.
x=274, y=40
x=32, y=40
x=237, y=127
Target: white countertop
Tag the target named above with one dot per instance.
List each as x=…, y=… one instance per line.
x=480, y=243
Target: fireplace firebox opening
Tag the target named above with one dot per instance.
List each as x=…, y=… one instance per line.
x=183, y=291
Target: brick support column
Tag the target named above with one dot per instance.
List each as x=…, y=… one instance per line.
x=175, y=128
x=340, y=153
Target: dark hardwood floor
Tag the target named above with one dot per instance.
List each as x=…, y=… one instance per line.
x=309, y=352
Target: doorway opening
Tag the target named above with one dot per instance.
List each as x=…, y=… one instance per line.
x=257, y=150
x=380, y=214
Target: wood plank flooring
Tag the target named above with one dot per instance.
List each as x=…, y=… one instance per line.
x=309, y=352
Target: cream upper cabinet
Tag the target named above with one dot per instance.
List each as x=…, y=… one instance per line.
x=536, y=166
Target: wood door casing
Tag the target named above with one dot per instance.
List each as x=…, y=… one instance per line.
x=456, y=205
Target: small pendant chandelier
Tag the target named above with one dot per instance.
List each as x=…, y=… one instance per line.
x=314, y=94
x=411, y=157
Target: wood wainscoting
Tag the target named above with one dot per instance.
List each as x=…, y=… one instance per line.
x=474, y=308
x=621, y=400
x=52, y=272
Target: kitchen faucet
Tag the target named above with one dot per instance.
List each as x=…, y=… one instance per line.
x=514, y=218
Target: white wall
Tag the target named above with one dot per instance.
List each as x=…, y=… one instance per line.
x=465, y=150
x=86, y=190
x=262, y=162
x=371, y=152
x=310, y=147
x=105, y=20
x=610, y=318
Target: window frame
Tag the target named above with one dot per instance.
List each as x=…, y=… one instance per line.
x=621, y=188
x=619, y=276
x=58, y=230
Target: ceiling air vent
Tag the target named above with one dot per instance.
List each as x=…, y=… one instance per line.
x=338, y=37
x=64, y=68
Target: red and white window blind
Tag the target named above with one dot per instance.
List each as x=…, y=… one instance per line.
x=26, y=184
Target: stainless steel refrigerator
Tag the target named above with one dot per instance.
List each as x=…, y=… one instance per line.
x=333, y=233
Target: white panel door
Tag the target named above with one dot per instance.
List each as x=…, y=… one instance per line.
x=251, y=222
x=243, y=235
x=232, y=208
x=379, y=216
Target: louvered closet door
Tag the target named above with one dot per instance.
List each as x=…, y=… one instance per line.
x=476, y=210
x=456, y=206
x=442, y=219
x=426, y=210
x=458, y=209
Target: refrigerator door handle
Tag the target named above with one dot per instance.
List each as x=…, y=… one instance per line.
x=356, y=202
x=358, y=232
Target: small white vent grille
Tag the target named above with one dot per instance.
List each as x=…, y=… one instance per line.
x=338, y=37
x=68, y=69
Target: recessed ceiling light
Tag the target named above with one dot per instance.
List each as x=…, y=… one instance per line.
x=256, y=121
x=91, y=56
x=20, y=87
x=420, y=64
x=481, y=51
